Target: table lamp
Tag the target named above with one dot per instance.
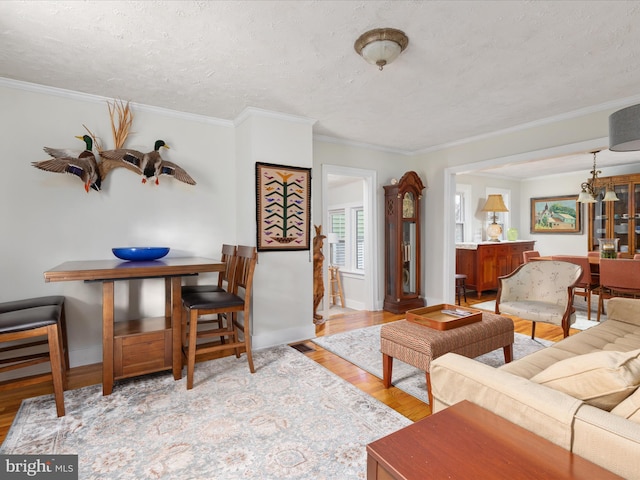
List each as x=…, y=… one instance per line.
x=494, y=204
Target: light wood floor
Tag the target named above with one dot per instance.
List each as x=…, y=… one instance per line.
x=407, y=405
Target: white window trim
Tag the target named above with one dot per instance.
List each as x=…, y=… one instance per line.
x=350, y=244
x=468, y=214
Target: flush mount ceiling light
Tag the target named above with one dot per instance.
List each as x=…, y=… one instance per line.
x=381, y=46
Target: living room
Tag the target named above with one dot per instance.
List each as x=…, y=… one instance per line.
x=49, y=219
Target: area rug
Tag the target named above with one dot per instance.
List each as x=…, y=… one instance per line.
x=291, y=419
x=581, y=323
x=362, y=348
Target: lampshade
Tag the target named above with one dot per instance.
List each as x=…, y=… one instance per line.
x=381, y=46
x=495, y=204
x=610, y=196
x=624, y=129
x=585, y=197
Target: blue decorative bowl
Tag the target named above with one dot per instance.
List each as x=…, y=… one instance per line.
x=140, y=253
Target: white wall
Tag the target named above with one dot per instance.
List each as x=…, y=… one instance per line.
x=479, y=185
x=283, y=282
x=534, y=141
x=387, y=164
x=48, y=218
x=569, y=184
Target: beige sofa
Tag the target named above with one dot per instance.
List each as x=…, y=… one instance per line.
x=607, y=438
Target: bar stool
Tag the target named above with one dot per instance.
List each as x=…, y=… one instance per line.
x=461, y=287
x=335, y=285
x=27, y=320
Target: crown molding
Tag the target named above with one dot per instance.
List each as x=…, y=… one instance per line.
x=349, y=143
x=259, y=112
x=611, y=105
x=91, y=98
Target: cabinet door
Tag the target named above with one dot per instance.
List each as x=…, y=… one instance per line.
x=466, y=264
x=621, y=221
x=488, y=268
x=598, y=223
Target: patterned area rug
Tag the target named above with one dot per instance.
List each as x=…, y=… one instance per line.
x=362, y=348
x=292, y=419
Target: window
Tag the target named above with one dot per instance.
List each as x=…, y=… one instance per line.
x=462, y=212
x=348, y=224
x=338, y=222
x=359, y=221
x=460, y=209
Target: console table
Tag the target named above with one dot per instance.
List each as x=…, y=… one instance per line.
x=483, y=263
x=466, y=441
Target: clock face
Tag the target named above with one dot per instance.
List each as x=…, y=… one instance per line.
x=408, y=205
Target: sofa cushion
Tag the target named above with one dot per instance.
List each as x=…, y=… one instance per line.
x=602, y=379
x=629, y=408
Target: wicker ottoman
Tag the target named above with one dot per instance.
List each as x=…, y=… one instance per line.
x=417, y=345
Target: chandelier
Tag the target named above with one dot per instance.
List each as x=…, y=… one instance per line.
x=590, y=188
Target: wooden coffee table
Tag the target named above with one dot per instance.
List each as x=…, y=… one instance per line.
x=466, y=441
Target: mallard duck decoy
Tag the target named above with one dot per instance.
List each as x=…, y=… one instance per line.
x=84, y=165
x=148, y=164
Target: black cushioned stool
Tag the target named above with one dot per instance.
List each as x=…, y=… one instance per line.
x=29, y=319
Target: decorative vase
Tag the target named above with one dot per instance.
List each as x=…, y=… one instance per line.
x=608, y=247
x=512, y=234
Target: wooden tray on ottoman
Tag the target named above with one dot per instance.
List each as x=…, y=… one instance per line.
x=434, y=317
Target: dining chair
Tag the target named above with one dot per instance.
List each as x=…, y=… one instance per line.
x=586, y=284
x=228, y=257
x=619, y=277
x=236, y=300
x=636, y=256
x=23, y=326
x=529, y=254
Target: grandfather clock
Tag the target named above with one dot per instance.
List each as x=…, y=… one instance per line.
x=402, y=244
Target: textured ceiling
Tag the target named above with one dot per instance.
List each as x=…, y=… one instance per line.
x=471, y=68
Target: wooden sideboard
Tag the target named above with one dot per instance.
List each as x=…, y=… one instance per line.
x=483, y=263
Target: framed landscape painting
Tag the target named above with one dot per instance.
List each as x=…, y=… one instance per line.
x=556, y=215
x=283, y=207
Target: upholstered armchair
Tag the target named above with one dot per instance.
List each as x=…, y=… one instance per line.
x=540, y=291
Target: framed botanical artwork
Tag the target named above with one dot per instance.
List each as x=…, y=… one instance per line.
x=556, y=215
x=283, y=207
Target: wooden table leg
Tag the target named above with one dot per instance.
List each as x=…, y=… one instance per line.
x=387, y=369
x=176, y=325
x=107, y=336
x=508, y=353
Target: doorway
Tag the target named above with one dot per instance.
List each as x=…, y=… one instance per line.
x=349, y=210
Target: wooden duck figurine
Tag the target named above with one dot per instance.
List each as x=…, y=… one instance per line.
x=84, y=166
x=148, y=165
